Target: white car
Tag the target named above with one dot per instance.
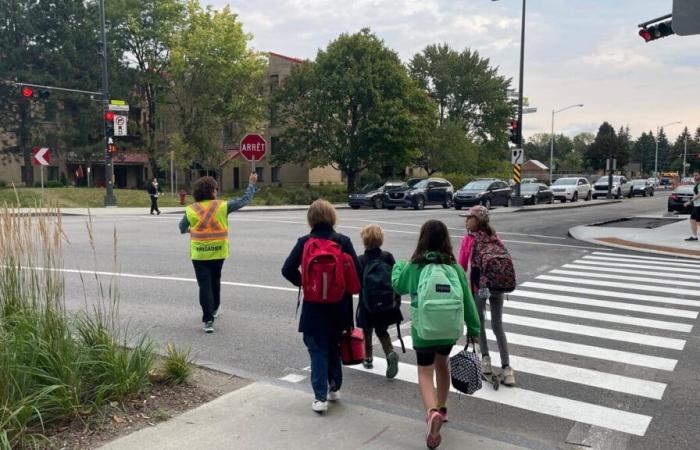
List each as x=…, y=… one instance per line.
x=620, y=187
x=572, y=189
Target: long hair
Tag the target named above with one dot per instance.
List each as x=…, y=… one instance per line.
x=434, y=237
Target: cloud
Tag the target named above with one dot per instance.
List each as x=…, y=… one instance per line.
x=616, y=58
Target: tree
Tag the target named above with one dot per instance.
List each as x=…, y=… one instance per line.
x=681, y=147
x=643, y=151
x=539, y=147
x=448, y=150
x=624, y=146
x=604, y=145
x=216, y=81
x=581, y=142
x=663, y=153
x=353, y=108
x=147, y=30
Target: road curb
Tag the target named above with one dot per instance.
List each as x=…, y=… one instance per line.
x=568, y=205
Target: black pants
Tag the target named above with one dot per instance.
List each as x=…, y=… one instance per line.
x=154, y=204
x=208, y=275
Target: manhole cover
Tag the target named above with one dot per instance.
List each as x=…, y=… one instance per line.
x=638, y=222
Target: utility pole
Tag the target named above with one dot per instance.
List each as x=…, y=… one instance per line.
x=110, y=200
x=685, y=153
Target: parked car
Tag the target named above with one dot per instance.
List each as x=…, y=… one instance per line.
x=428, y=191
x=642, y=187
x=488, y=192
x=620, y=187
x=572, y=188
x=534, y=193
x=679, y=197
x=372, y=194
x=653, y=181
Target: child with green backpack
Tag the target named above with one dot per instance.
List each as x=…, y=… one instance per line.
x=441, y=303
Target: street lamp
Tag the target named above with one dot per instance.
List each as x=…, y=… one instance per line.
x=551, y=143
x=656, y=138
x=518, y=200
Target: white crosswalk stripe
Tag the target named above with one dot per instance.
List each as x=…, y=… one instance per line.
x=628, y=313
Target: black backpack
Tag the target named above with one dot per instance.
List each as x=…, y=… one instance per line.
x=377, y=294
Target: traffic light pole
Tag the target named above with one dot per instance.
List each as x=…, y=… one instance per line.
x=518, y=200
x=110, y=200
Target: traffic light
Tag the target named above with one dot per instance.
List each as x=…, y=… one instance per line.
x=514, y=132
x=109, y=116
x=657, y=31
x=28, y=92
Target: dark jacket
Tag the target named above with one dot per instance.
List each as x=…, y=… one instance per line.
x=382, y=320
x=152, y=190
x=317, y=319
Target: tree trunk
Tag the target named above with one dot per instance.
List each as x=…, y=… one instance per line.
x=351, y=179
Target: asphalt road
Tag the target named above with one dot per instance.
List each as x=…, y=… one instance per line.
x=622, y=374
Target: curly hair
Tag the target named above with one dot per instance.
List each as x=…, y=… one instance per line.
x=203, y=189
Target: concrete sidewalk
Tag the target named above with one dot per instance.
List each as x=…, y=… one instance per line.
x=664, y=240
x=265, y=416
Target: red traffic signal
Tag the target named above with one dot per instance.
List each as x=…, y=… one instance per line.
x=514, y=132
x=109, y=116
x=657, y=31
x=645, y=34
x=27, y=92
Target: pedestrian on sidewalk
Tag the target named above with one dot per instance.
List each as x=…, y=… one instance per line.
x=480, y=240
x=695, y=213
x=323, y=320
x=379, y=306
x=207, y=222
x=441, y=303
x=154, y=191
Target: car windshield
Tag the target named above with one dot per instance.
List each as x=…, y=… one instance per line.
x=604, y=179
x=413, y=181
x=566, y=181
x=477, y=185
x=371, y=187
x=639, y=182
x=419, y=184
x=529, y=187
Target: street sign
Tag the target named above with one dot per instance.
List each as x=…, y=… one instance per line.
x=121, y=108
x=517, y=156
x=120, y=125
x=607, y=164
x=686, y=17
x=516, y=173
x=253, y=147
x=41, y=156
x=530, y=110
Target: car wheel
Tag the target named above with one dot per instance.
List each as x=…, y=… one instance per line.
x=535, y=200
x=486, y=203
x=630, y=194
x=619, y=194
x=448, y=202
x=551, y=200
x=652, y=193
x=391, y=207
x=589, y=196
x=458, y=207
x=563, y=199
x=377, y=203
x=419, y=203
x=575, y=197
x=644, y=194
x=354, y=207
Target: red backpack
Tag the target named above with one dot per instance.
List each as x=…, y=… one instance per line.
x=326, y=272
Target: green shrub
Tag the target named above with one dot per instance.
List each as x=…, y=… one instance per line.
x=54, y=184
x=178, y=364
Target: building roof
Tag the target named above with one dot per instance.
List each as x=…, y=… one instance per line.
x=231, y=154
x=537, y=163
x=288, y=58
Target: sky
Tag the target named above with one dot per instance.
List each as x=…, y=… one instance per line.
x=576, y=51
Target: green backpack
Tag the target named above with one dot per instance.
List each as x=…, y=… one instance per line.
x=440, y=311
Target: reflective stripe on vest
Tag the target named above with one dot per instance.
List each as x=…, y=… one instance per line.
x=208, y=230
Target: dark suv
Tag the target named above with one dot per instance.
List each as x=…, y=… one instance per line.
x=372, y=194
x=488, y=192
x=428, y=191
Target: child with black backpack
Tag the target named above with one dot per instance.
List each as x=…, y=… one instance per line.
x=441, y=303
x=379, y=305
x=490, y=267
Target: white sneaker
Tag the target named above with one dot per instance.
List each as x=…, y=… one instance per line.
x=319, y=406
x=486, y=365
x=333, y=396
x=508, y=376
x=216, y=313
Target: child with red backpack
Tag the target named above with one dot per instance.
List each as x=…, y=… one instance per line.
x=490, y=268
x=379, y=305
x=324, y=265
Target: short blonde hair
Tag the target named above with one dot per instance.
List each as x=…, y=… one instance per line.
x=372, y=236
x=321, y=211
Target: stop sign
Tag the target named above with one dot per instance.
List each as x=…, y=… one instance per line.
x=253, y=147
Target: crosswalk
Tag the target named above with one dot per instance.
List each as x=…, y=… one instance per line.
x=608, y=325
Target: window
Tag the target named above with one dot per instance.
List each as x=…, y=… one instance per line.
x=259, y=172
x=274, y=82
x=275, y=174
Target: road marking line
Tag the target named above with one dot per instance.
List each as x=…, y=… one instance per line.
x=618, y=265
x=695, y=267
x=604, y=304
x=650, y=258
x=625, y=277
x=596, y=332
x=632, y=286
x=572, y=374
x=608, y=293
x=664, y=275
x=550, y=405
x=603, y=317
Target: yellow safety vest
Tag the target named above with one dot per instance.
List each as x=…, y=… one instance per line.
x=208, y=230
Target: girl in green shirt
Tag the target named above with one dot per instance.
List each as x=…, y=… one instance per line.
x=434, y=247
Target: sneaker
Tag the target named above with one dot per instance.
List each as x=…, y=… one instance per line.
x=508, y=376
x=216, y=312
x=691, y=238
x=392, y=364
x=319, y=406
x=367, y=363
x=333, y=396
x=208, y=327
x=158, y=213
x=432, y=434
x=443, y=411
x=486, y=365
